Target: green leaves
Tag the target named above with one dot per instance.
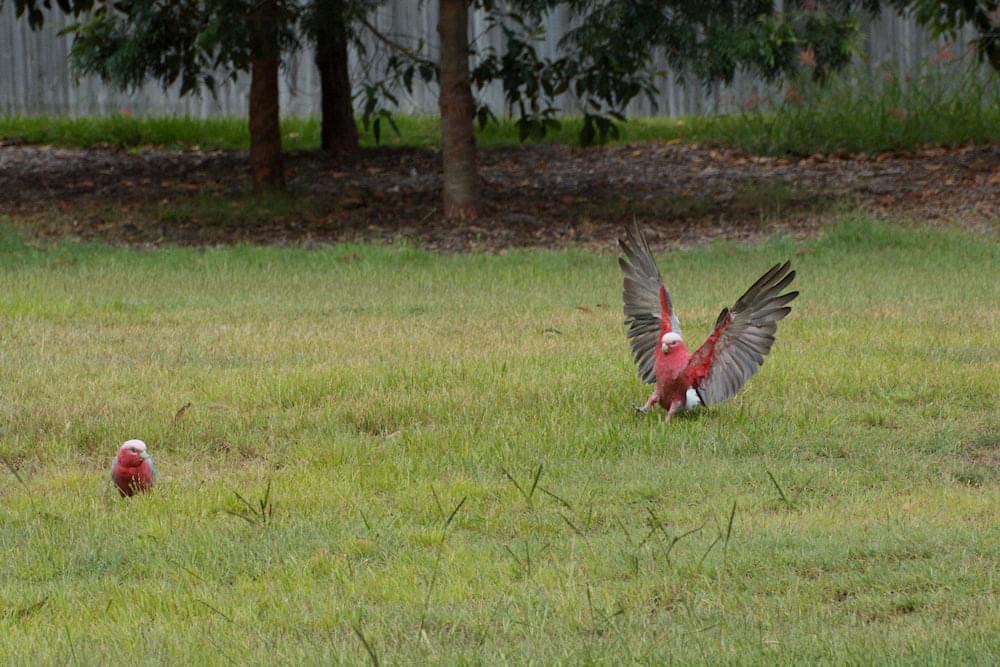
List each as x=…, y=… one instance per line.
x=599, y=127
x=185, y=41
x=948, y=17
x=609, y=58
x=373, y=112
x=36, y=17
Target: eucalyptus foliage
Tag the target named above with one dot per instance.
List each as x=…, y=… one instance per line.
x=190, y=41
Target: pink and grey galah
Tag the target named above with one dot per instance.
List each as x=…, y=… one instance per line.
x=730, y=356
x=133, y=471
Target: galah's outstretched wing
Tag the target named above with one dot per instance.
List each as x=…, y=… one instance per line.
x=647, y=302
x=743, y=336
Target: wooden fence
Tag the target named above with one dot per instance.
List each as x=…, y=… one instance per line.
x=35, y=76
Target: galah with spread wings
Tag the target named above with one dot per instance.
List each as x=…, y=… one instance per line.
x=133, y=471
x=734, y=351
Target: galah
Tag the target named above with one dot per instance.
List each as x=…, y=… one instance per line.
x=734, y=351
x=133, y=471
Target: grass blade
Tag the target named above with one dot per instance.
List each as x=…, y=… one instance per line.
x=200, y=601
x=711, y=546
x=729, y=530
x=437, y=502
x=556, y=498
x=780, y=492
x=454, y=512
x=514, y=482
x=372, y=655
x=534, y=483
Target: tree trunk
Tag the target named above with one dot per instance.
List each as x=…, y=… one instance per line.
x=265, y=124
x=458, y=143
x=338, y=132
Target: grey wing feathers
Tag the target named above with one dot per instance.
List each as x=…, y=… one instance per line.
x=641, y=297
x=149, y=460
x=743, y=343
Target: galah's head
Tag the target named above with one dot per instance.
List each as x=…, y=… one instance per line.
x=131, y=453
x=669, y=341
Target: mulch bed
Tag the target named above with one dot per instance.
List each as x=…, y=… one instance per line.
x=535, y=195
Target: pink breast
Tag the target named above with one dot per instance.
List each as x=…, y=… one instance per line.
x=132, y=480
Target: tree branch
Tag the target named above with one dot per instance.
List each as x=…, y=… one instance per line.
x=393, y=44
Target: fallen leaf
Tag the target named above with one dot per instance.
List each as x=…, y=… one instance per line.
x=180, y=413
x=24, y=612
x=351, y=200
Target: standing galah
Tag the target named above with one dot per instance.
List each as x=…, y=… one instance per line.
x=133, y=471
x=734, y=351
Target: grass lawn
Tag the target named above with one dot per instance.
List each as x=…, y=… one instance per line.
x=845, y=508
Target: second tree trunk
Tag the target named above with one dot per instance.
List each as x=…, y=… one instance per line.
x=338, y=133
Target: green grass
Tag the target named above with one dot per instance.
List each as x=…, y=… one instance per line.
x=866, y=111
x=168, y=132
x=382, y=393
x=858, y=111
x=297, y=133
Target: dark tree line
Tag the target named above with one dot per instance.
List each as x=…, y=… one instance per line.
x=605, y=62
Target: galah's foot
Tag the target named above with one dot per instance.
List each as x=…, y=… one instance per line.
x=641, y=409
